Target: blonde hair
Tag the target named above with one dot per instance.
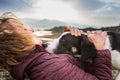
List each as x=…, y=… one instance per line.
x=13, y=46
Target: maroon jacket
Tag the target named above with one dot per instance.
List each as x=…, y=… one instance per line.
x=46, y=66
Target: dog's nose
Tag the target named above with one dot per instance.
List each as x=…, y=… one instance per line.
x=44, y=45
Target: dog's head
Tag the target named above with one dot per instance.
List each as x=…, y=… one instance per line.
x=76, y=46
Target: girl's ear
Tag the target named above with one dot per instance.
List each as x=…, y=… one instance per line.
x=88, y=50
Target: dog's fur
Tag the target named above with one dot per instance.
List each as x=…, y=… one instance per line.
x=77, y=46
x=83, y=48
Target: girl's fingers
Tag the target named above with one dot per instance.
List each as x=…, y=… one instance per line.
x=80, y=32
x=74, y=31
x=91, y=35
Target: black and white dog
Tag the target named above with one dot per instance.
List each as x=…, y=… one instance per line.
x=76, y=46
x=83, y=48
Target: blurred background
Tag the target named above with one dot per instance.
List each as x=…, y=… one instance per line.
x=48, y=17
x=51, y=13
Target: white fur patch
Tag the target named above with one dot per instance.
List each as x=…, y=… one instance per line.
x=108, y=44
x=74, y=49
x=115, y=58
x=115, y=74
x=115, y=55
x=53, y=45
x=118, y=77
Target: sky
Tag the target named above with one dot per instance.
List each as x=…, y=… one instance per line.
x=89, y=12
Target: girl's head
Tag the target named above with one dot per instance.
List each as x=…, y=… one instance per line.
x=16, y=41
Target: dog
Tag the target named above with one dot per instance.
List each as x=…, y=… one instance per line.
x=76, y=46
x=82, y=48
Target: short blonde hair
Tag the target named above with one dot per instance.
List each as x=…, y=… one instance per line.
x=13, y=46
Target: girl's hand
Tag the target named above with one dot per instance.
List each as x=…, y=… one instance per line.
x=74, y=31
x=98, y=38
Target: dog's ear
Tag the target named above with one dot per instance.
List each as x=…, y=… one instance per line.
x=88, y=50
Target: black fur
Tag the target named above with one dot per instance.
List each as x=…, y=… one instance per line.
x=115, y=40
x=84, y=47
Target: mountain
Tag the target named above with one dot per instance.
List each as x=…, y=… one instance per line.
x=46, y=23
x=59, y=29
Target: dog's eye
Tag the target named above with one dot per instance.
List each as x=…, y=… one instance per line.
x=62, y=40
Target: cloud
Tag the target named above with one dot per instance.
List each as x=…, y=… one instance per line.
x=111, y=7
x=107, y=20
x=95, y=6
x=32, y=3
x=85, y=5
x=98, y=12
x=12, y=5
x=50, y=9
